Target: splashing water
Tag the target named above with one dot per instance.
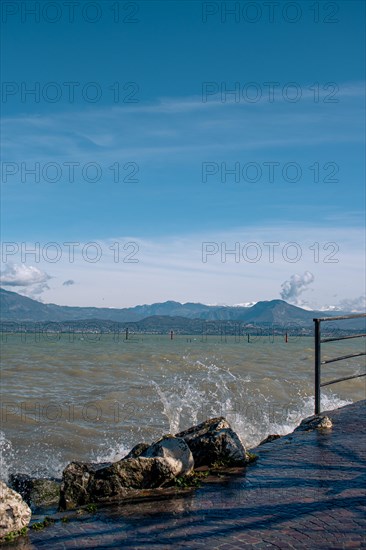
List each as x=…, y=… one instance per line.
x=6, y=457
x=39, y=461
x=253, y=417
x=160, y=387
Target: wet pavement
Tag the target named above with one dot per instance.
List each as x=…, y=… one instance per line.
x=306, y=490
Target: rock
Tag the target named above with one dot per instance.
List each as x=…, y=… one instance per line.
x=315, y=422
x=214, y=441
x=269, y=439
x=36, y=492
x=21, y=483
x=148, y=467
x=45, y=492
x=137, y=450
x=75, y=482
x=85, y=483
x=176, y=451
x=14, y=512
x=132, y=474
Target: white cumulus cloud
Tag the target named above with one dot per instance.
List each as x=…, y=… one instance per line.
x=31, y=280
x=295, y=286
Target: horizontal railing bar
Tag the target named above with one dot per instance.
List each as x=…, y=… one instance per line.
x=342, y=338
x=341, y=379
x=317, y=354
x=343, y=357
x=339, y=317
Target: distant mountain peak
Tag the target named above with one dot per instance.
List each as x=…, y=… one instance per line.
x=18, y=308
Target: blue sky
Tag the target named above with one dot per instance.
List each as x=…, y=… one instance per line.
x=149, y=97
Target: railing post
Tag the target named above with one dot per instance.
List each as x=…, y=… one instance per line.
x=317, y=365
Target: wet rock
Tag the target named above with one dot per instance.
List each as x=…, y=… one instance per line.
x=14, y=512
x=132, y=474
x=21, y=483
x=176, y=451
x=75, y=483
x=36, y=492
x=214, y=441
x=137, y=450
x=85, y=483
x=269, y=439
x=315, y=422
x=148, y=467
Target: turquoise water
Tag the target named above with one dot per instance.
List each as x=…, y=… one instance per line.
x=92, y=397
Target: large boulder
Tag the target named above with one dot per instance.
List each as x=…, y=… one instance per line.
x=15, y=514
x=175, y=450
x=76, y=478
x=152, y=466
x=36, y=492
x=213, y=441
x=85, y=483
x=123, y=478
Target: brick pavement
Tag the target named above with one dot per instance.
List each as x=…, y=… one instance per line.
x=306, y=490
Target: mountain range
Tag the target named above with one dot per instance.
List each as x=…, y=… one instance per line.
x=18, y=308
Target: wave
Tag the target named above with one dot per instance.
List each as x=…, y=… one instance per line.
x=176, y=399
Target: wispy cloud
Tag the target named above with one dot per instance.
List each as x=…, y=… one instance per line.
x=69, y=282
x=183, y=126
x=245, y=264
x=357, y=305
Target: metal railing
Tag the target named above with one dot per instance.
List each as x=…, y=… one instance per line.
x=318, y=359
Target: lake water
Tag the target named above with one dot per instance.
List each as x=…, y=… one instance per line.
x=93, y=397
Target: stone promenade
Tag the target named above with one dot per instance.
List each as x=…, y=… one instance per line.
x=306, y=490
